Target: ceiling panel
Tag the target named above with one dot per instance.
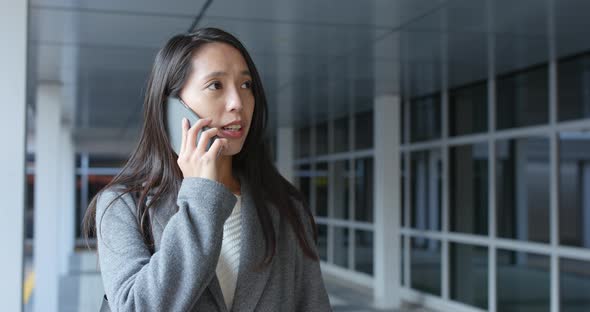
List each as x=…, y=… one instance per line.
x=186, y=8
x=315, y=57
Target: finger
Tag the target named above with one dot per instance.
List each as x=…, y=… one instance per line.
x=217, y=147
x=191, y=138
x=206, y=136
x=184, y=131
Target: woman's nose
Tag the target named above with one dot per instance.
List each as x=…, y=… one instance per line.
x=234, y=101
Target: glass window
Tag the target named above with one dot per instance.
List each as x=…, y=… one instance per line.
x=426, y=196
x=574, y=191
x=79, y=209
x=303, y=176
x=363, y=251
x=522, y=189
x=425, y=115
x=469, y=274
x=341, y=245
x=323, y=241
x=468, y=109
x=95, y=184
x=106, y=161
x=402, y=276
x=321, y=139
x=341, y=135
x=302, y=139
x=522, y=281
x=402, y=120
x=341, y=182
x=320, y=182
x=469, y=189
x=574, y=283
x=30, y=207
x=425, y=265
x=363, y=185
x=404, y=180
x=522, y=98
x=363, y=134
x=574, y=88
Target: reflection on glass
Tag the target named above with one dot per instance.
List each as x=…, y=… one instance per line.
x=522, y=98
x=425, y=201
x=469, y=189
x=469, y=274
x=363, y=186
x=363, y=251
x=323, y=241
x=574, y=191
x=468, y=109
x=341, y=135
x=425, y=265
x=522, y=189
x=302, y=139
x=341, y=245
x=340, y=180
x=425, y=116
x=320, y=182
x=321, y=138
x=363, y=134
x=574, y=87
x=522, y=281
x=574, y=283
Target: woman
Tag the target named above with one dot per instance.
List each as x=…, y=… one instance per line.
x=213, y=229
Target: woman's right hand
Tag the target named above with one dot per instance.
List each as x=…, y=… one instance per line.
x=195, y=160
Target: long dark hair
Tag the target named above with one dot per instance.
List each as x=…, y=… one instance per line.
x=153, y=163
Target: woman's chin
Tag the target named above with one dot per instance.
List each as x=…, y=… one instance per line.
x=231, y=151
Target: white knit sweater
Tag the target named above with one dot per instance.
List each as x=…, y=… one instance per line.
x=229, y=259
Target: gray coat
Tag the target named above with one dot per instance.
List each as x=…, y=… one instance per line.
x=180, y=275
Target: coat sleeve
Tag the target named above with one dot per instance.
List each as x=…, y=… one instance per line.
x=174, y=277
x=311, y=294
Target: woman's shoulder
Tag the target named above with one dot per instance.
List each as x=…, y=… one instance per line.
x=115, y=196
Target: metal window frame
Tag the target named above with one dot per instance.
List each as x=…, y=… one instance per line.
x=351, y=156
x=551, y=130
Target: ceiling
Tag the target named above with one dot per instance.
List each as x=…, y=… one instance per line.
x=317, y=58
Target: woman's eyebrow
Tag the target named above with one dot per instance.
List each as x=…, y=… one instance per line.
x=244, y=72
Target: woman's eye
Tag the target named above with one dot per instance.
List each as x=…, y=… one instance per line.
x=214, y=86
x=247, y=85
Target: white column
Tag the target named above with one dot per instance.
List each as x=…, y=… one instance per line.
x=47, y=197
x=285, y=152
x=67, y=205
x=387, y=201
x=13, y=33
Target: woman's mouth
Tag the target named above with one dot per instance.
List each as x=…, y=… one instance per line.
x=231, y=132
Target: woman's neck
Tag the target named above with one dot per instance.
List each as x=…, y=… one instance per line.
x=226, y=176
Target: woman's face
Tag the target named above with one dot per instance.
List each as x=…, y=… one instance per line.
x=220, y=87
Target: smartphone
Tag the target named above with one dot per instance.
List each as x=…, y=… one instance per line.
x=176, y=109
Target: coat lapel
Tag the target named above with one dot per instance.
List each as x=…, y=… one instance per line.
x=251, y=283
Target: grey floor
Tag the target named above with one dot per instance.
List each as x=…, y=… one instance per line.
x=350, y=298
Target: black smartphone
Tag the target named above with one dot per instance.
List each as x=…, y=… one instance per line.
x=176, y=109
